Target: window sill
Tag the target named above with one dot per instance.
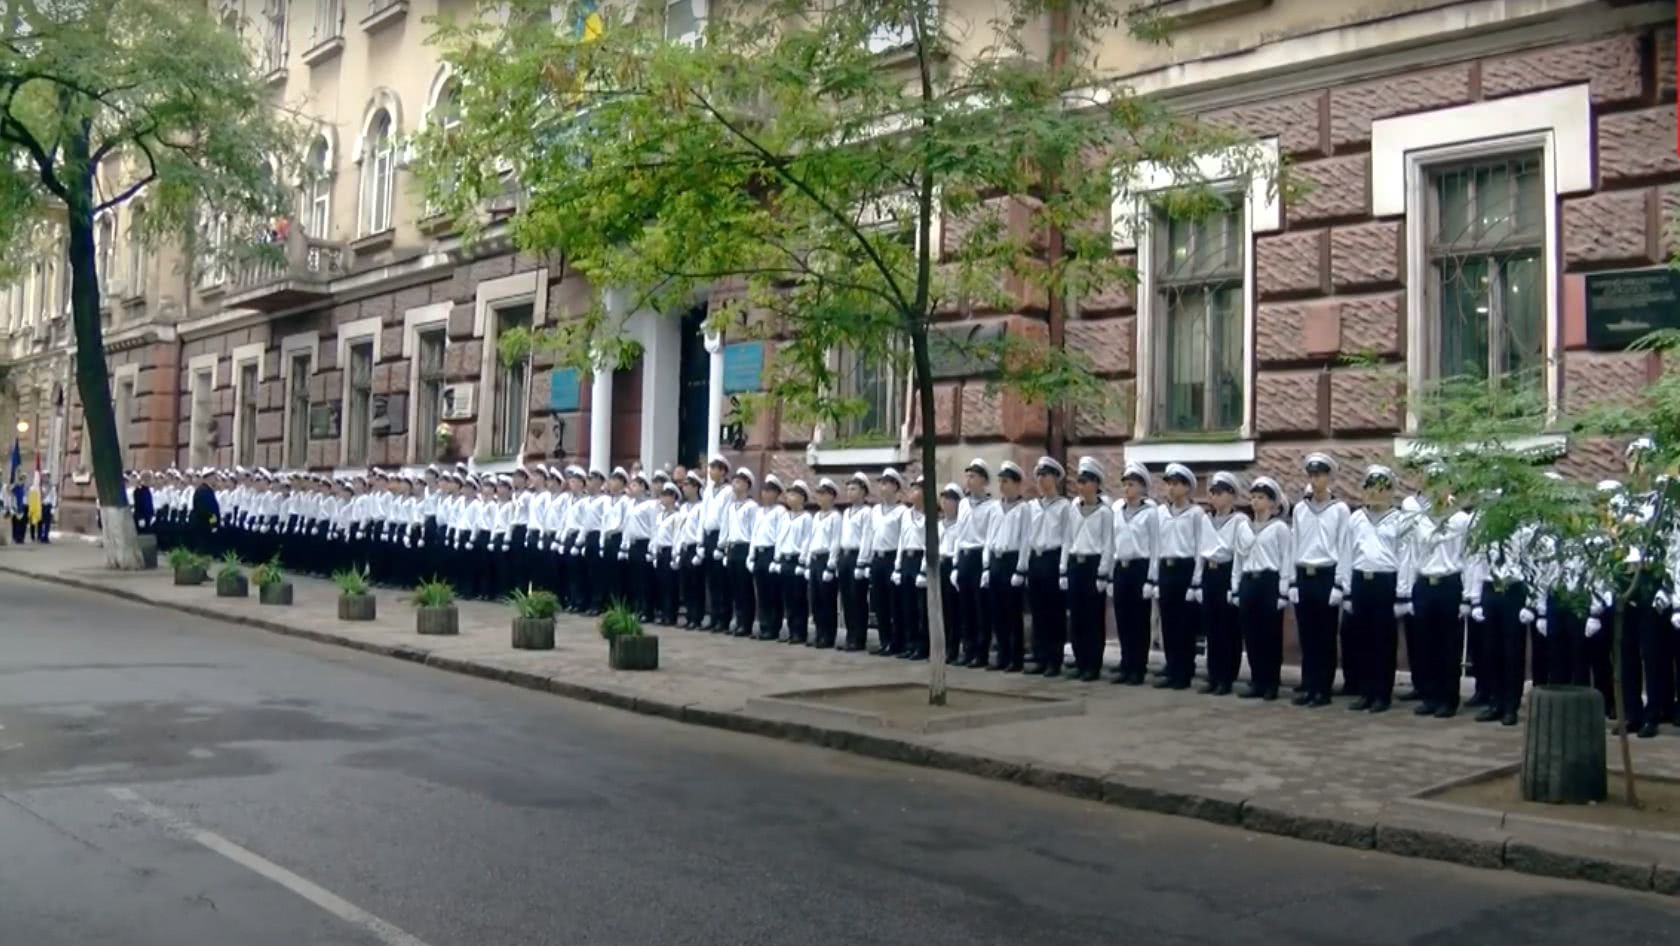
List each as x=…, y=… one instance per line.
x=436, y=224
x=213, y=291
x=494, y=466
x=817, y=455
x=323, y=51
x=275, y=76
x=1408, y=448
x=1157, y=452
x=379, y=19
x=1181, y=13
x=374, y=242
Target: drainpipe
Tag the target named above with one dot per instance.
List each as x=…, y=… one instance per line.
x=1060, y=20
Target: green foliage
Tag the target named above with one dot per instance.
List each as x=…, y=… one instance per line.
x=620, y=621
x=515, y=344
x=181, y=557
x=231, y=566
x=435, y=593
x=534, y=603
x=268, y=574
x=352, y=582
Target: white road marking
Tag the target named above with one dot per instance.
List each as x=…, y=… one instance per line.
x=314, y=893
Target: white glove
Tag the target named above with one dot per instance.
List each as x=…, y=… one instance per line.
x=1594, y=625
x=1525, y=616
x=420, y=543
x=1017, y=580
x=1062, y=582
x=1477, y=614
x=1294, y=596
x=697, y=560
x=1193, y=595
x=1540, y=626
x=1108, y=589
x=1596, y=607
x=861, y=574
x=1463, y=610
x=1285, y=602
x=676, y=565
x=407, y=542
x=799, y=571
x=775, y=568
x=897, y=578
x=921, y=581
x=1335, y=597
x=828, y=577
x=1104, y=588
x=717, y=554
x=623, y=556
x=566, y=550
x=1231, y=598
x=1660, y=601
x=954, y=583
x=1347, y=607
x=1149, y=591
x=985, y=579
x=1402, y=609
x=1674, y=619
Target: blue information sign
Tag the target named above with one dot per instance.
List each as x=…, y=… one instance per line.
x=743, y=367
x=563, y=385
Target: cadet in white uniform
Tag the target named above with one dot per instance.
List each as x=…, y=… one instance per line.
x=1132, y=589
x=910, y=575
x=1217, y=594
x=1319, y=522
x=974, y=525
x=1051, y=525
x=1377, y=571
x=853, y=566
x=1004, y=564
x=821, y=558
x=739, y=519
x=1177, y=571
x=1264, y=563
x=1435, y=631
x=790, y=551
x=886, y=519
x=1087, y=561
x=761, y=559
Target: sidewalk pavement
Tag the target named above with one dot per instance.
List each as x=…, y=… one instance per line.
x=1325, y=774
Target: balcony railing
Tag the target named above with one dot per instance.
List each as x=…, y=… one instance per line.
x=302, y=275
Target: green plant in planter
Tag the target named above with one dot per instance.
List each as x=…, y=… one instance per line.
x=180, y=558
x=535, y=604
x=268, y=574
x=620, y=621
x=352, y=582
x=231, y=567
x=434, y=594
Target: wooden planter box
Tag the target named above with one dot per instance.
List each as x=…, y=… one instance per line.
x=357, y=607
x=149, y=551
x=190, y=575
x=275, y=594
x=233, y=586
x=533, y=633
x=444, y=620
x=633, y=653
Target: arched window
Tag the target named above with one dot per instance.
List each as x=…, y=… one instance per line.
x=446, y=109
x=105, y=249
x=378, y=174
x=317, y=190
x=38, y=285
x=136, y=262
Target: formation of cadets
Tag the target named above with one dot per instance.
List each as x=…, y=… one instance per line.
x=725, y=553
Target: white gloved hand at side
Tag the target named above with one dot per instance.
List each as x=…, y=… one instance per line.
x=1283, y=602
x=1541, y=626
x=1402, y=609
x=1017, y=580
x=1335, y=597
x=1062, y=583
x=861, y=574
x=1594, y=625
x=1150, y=592
x=921, y=581
x=897, y=578
x=1525, y=616
x=1477, y=614
x=985, y=579
x=1294, y=596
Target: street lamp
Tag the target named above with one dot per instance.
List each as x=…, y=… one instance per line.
x=23, y=427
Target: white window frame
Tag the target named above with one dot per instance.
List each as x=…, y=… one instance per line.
x=200, y=453
x=329, y=21
x=304, y=343
x=700, y=9
x=494, y=294
x=378, y=176
x=416, y=321
x=1557, y=122
x=887, y=38
x=137, y=262
x=105, y=249
x=241, y=356
x=1133, y=226
x=124, y=377
x=277, y=35
x=351, y=333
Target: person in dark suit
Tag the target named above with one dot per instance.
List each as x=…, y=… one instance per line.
x=140, y=500
x=206, y=516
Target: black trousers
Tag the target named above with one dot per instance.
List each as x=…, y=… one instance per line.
x=1435, y=639
x=795, y=599
x=1048, y=606
x=717, y=581
x=590, y=582
x=912, y=616
x=881, y=601
x=46, y=523
x=977, y=624
x=518, y=559
x=664, y=584
x=613, y=573
x=1646, y=664
x=1262, y=627
x=693, y=579
x=1374, y=634
x=1220, y=625
x=824, y=598
x=741, y=578
x=1505, y=645
x=1568, y=659
x=952, y=625
x=1131, y=615
x=768, y=597
x=1005, y=608
x=1085, y=613
x=1481, y=664
x=641, y=575
x=1178, y=619
x=1315, y=622
x=854, y=601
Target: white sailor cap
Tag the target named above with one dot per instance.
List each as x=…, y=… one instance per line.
x=772, y=482
x=640, y=477
x=1048, y=465
x=799, y=487
x=1089, y=468
x=1639, y=445
x=745, y=474
x=718, y=460
x=694, y=478
x=1609, y=486
x=1010, y=469
x=978, y=465
x=1226, y=479
x=826, y=485
x=1178, y=471
x=1376, y=473
x=892, y=475
x=671, y=489
x=504, y=480
x=861, y=479
x=596, y=474
x=619, y=474
x=1316, y=461
x=915, y=482
x=432, y=468
x=952, y=490
x=575, y=472
x=520, y=471
x=660, y=476
x=1267, y=485
x=1136, y=471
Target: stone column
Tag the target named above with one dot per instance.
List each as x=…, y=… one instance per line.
x=600, y=416
x=714, y=395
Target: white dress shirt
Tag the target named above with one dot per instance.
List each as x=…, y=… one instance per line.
x=1379, y=542
x=1178, y=534
x=1051, y=524
x=612, y=513
x=1011, y=524
x=1438, y=546
x=886, y=519
x=1269, y=547
x=640, y=520
x=1134, y=530
x=1093, y=534
x=975, y=515
x=665, y=534
x=796, y=529
x=1319, y=531
x=911, y=538
x=715, y=499
x=824, y=538
x=1218, y=540
x=739, y=521
x=854, y=530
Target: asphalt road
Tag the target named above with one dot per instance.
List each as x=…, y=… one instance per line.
x=172, y=781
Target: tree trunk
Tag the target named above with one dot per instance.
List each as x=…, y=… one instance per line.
x=1622, y=736
x=1563, y=746
x=93, y=381
x=930, y=513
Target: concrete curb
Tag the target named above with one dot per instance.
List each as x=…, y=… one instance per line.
x=1417, y=829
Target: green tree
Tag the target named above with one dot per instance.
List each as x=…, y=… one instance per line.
x=802, y=154
x=101, y=100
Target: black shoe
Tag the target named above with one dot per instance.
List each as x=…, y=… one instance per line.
x=1250, y=692
x=1476, y=699
x=1446, y=712
x=951, y=660
x=1320, y=699
x=1163, y=683
x=743, y=632
x=1090, y=676
x=1224, y=690
x=1411, y=696
x=1013, y=668
x=1121, y=678
x=1302, y=698
x=1359, y=706
x=824, y=645
x=1208, y=689
x=1488, y=714
x=1649, y=730
x=1509, y=719
x=1424, y=709
x=918, y=655
x=1270, y=694
x=1380, y=706
x=903, y=655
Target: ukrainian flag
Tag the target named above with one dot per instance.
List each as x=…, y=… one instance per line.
x=589, y=24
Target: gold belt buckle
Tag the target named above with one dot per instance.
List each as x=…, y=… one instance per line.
x=1434, y=579
x=1311, y=570
x=1368, y=575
